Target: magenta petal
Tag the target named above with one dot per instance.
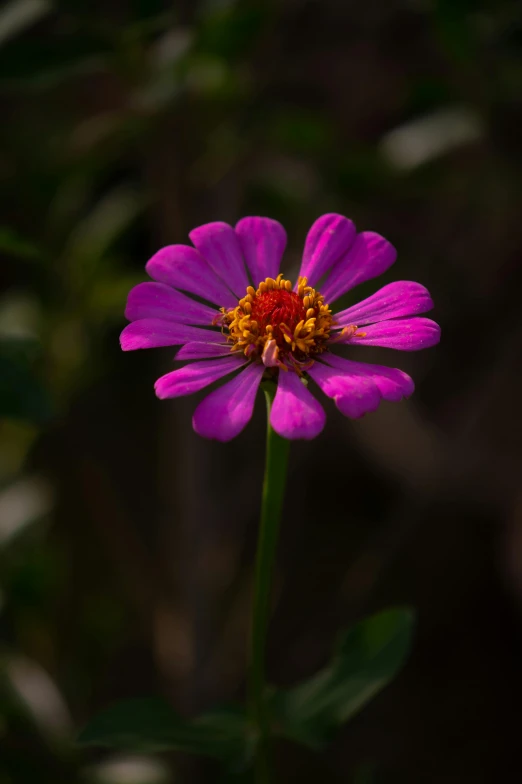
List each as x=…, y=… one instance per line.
x=192, y=378
x=204, y=351
x=392, y=383
x=227, y=410
x=329, y=238
x=403, y=334
x=184, y=268
x=354, y=393
x=369, y=256
x=263, y=242
x=156, y=300
x=402, y=298
x=152, y=333
x=218, y=244
x=295, y=411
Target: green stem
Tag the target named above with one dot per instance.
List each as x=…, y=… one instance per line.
x=277, y=450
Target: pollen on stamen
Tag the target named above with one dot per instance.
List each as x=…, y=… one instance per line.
x=281, y=327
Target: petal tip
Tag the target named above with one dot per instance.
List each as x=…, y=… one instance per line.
x=128, y=341
x=296, y=414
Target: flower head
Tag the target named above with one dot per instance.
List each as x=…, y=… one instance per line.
x=260, y=324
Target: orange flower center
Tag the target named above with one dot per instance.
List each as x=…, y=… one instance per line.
x=277, y=307
x=282, y=327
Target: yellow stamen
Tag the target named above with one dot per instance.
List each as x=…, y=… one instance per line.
x=287, y=346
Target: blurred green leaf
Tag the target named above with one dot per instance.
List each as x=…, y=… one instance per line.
x=33, y=578
x=128, y=769
x=300, y=131
x=148, y=16
x=13, y=243
x=20, y=14
x=428, y=93
x=231, y=32
x=152, y=725
x=31, y=693
x=212, y=77
x=363, y=171
x=365, y=661
x=454, y=30
x=91, y=238
x=47, y=61
x=107, y=297
x=22, y=395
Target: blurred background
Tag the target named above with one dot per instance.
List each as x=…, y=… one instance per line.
x=126, y=541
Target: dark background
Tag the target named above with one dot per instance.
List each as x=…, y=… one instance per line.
x=126, y=541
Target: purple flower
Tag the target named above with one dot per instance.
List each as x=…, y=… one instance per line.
x=261, y=325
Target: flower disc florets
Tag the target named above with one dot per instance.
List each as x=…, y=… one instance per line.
x=285, y=328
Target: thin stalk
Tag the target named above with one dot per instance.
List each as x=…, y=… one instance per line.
x=277, y=450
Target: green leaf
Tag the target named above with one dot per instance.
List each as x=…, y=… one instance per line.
x=364, y=662
x=16, y=245
x=452, y=21
x=299, y=131
x=232, y=32
x=17, y=15
x=22, y=395
x=152, y=725
x=41, y=62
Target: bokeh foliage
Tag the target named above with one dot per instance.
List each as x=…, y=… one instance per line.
x=125, y=125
